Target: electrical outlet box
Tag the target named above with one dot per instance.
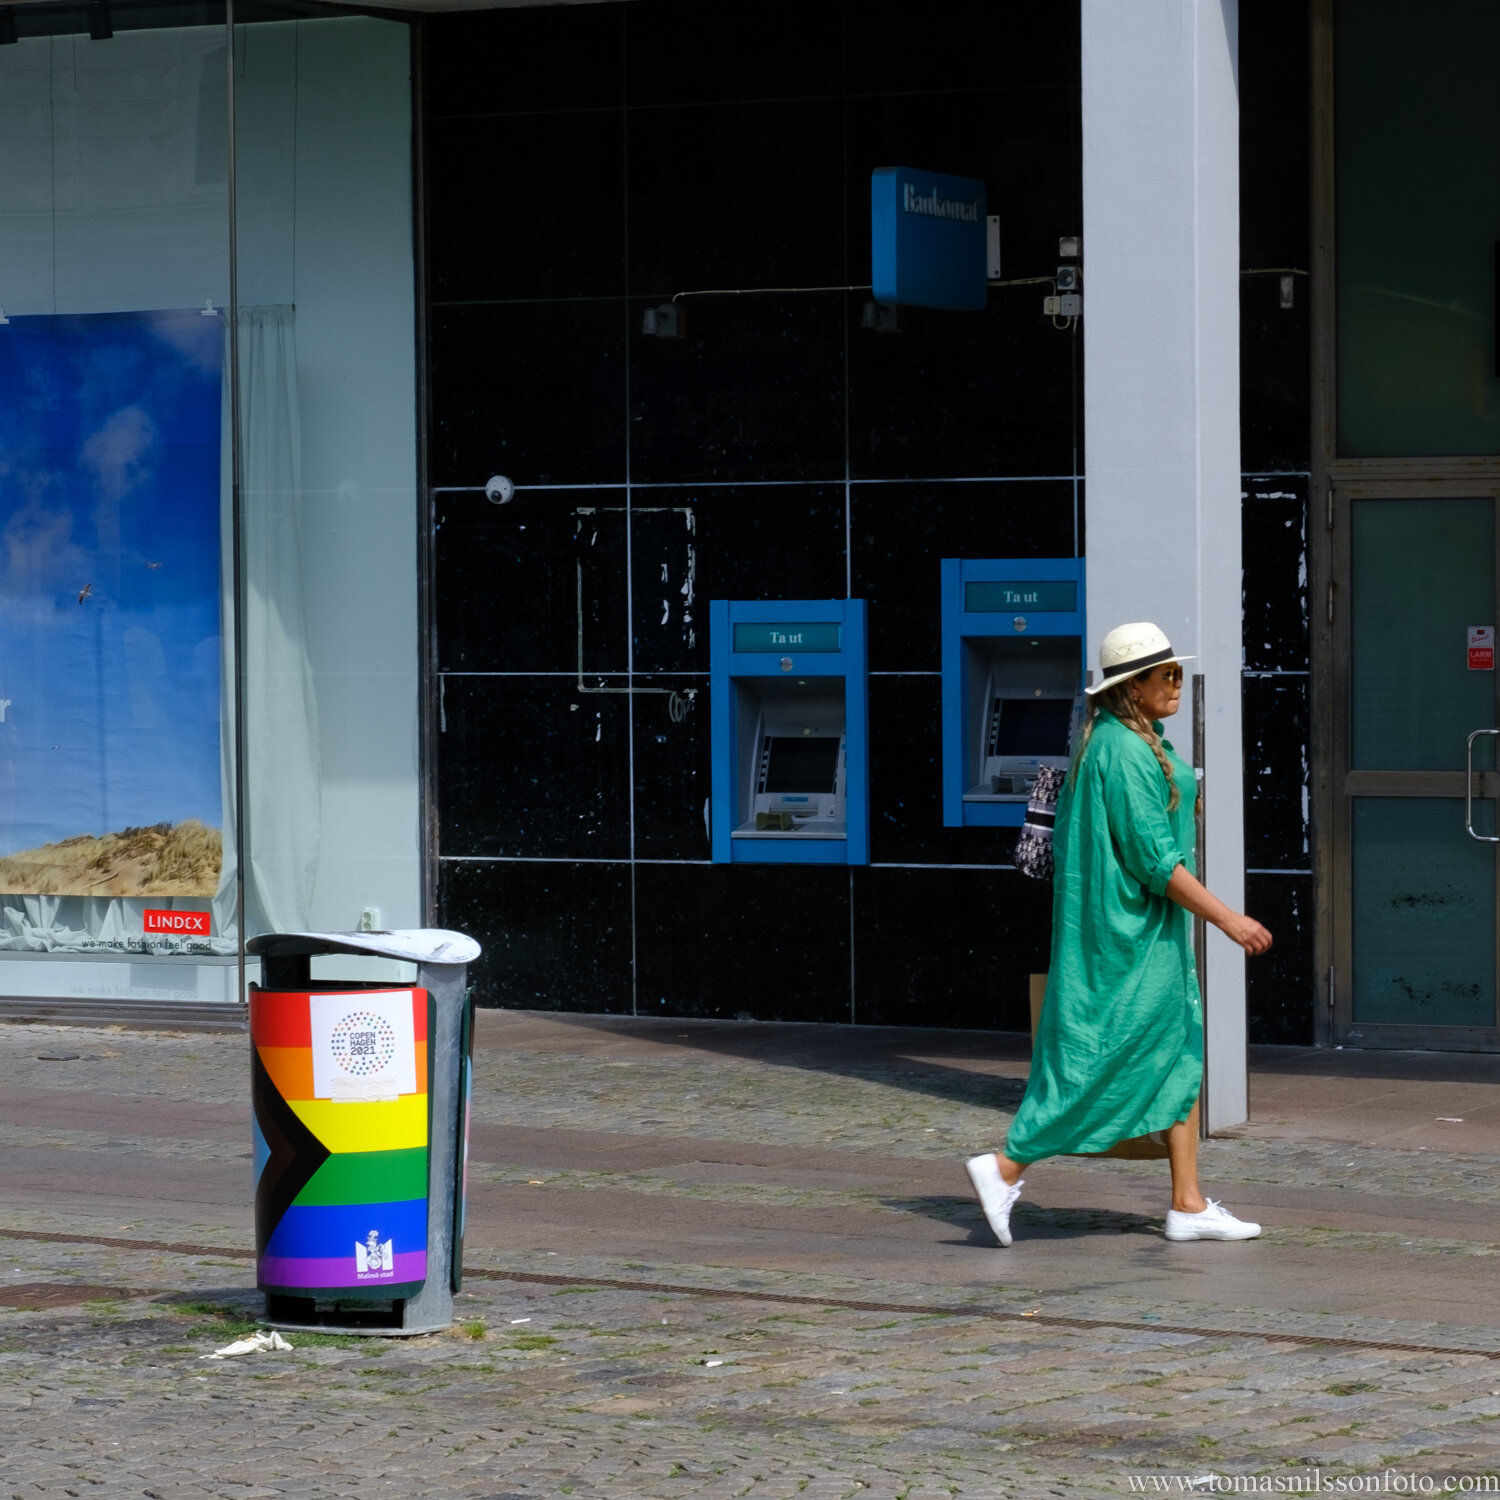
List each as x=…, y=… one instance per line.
x=369, y=919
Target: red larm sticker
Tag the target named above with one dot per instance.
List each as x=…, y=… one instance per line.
x=179, y=923
x=1481, y=648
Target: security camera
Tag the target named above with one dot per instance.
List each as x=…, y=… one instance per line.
x=498, y=490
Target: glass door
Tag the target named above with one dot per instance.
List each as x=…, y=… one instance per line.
x=1406, y=457
x=1417, y=837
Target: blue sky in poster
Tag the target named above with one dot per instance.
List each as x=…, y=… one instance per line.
x=109, y=490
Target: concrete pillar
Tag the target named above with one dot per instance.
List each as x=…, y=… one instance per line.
x=1162, y=401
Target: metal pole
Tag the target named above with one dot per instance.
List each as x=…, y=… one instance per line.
x=237, y=624
x=1200, y=927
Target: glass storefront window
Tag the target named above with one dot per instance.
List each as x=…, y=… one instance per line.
x=208, y=693
x=327, y=451
x=1418, y=221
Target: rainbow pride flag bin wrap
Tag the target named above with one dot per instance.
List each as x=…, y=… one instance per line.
x=340, y=1089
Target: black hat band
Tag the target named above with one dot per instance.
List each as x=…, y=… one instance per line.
x=1130, y=668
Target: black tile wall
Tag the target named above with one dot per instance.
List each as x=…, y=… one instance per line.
x=760, y=942
x=906, y=782
x=1275, y=733
x=1274, y=133
x=691, y=545
x=1275, y=365
x=1276, y=452
x=941, y=397
x=554, y=57
x=1273, y=541
x=680, y=51
x=555, y=935
x=893, y=47
x=535, y=390
x=586, y=163
x=752, y=391
x=1279, y=983
x=976, y=937
x=736, y=195
x=534, y=767
x=503, y=218
x=671, y=761
x=899, y=534
x=537, y=585
x=973, y=395
x=1275, y=374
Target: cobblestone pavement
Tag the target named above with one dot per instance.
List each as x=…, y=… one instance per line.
x=570, y=1372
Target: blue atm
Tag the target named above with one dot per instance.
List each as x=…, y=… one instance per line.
x=1013, y=665
x=789, y=714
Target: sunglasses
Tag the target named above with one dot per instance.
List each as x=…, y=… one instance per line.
x=1169, y=675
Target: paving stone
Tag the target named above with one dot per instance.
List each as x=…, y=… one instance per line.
x=813, y=1398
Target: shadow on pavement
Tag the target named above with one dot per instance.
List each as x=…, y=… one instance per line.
x=923, y=1061
x=1034, y=1222
x=984, y=1067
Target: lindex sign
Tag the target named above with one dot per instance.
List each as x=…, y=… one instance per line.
x=178, y=923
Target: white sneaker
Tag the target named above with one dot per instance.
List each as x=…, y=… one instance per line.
x=996, y=1196
x=1214, y=1223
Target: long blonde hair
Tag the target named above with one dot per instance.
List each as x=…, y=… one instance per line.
x=1116, y=699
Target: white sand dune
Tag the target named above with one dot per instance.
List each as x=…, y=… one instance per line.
x=161, y=860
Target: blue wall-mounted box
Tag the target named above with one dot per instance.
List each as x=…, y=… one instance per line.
x=789, y=712
x=928, y=239
x=1013, y=665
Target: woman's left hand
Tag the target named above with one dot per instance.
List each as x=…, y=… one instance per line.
x=1189, y=894
x=1246, y=931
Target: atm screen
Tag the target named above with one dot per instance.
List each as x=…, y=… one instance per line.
x=801, y=764
x=1032, y=726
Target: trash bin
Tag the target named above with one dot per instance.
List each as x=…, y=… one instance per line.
x=360, y=1092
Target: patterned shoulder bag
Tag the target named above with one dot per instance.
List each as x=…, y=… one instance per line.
x=1034, y=847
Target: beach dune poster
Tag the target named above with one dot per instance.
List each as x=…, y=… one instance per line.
x=110, y=605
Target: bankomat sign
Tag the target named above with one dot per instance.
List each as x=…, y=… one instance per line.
x=928, y=239
x=938, y=207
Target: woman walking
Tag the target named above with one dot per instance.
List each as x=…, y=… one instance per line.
x=1119, y=1047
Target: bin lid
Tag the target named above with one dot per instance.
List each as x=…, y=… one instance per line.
x=421, y=945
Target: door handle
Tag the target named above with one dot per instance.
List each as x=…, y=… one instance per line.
x=1483, y=838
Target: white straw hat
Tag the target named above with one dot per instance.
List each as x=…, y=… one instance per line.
x=1129, y=649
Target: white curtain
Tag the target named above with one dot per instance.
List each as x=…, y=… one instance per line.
x=282, y=769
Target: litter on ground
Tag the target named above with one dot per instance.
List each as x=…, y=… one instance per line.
x=272, y=1341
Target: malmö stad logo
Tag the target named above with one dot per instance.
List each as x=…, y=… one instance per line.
x=375, y=1260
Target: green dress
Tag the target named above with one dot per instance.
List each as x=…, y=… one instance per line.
x=1119, y=1048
